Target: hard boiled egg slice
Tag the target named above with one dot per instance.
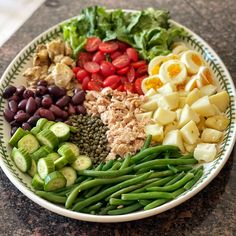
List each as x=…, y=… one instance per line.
x=173, y=71
x=192, y=60
x=192, y=83
x=152, y=82
x=205, y=75
x=179, y=48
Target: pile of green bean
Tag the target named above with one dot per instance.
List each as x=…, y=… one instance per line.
x=150, y=178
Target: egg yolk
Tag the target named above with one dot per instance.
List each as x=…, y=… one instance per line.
x=155, y=69
x=196, y=59
x=174, y=70
x=154, y=83
x=208, y=76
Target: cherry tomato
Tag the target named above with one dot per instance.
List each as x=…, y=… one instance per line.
x=92, y=44
x=81, y=74
x=93, y=86
x=142, y=69
x=83, y=57
x=128, y=87
x=115, y=54
x=123, y=79
x=85, y=83
x=98, y=79
x=137, y=85
x=108, y=47
x=75, y=70
x=92, y=67
x=138, y=64
x=132, y=54
x=107, y=68
x=98, y=57
x=122, y=46
x=121, y=61
x=111, y=80
x=123, y=71
x=131, y=74
x=121, y=88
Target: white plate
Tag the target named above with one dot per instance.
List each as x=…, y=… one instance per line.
x=13, y=75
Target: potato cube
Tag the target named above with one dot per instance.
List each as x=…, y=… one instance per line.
x=203, y=107
x=150, y=92
x=193, y=96
x=182, y=102
x=156, y=131
x=169, y=101
x=201, y=124
x=218, y=122
x=149, y=105
x=143, y=116
x=208, y=90
x=189, y=147
x=167, y=88
x=205, y=152
x=211, y=135
x=221, y=100
x=163, y=116
x=174, y=137
x=169, y=127
x=190, y=132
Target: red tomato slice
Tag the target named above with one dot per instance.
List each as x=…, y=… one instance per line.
x=98, y=79
x=83, y=57
x=142, y=69
x=121, y=61
x=121, y=88
x=107, y=68
x=81, y=74
x=115, y=54
x=94, y=86
x=138, y=64
x=111, y=80
x=123, y=46
x=137, y=85
x=108, y=47
x=92, y=67
x=123, y=71
x=128, y=87
x=132, y=54
x=85, y=83
x=131, y=74
x=99, y=57
x=92, y=44
x=75, y=70
x=123, y=79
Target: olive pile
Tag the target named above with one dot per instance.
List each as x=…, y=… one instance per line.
x=25, y=106
x=91, y=137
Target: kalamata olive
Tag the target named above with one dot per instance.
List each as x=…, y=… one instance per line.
x=13, y=106
x=77, y=90
x=81, y=109
x=20, y=111
x=41, y=90
x=64, y=101
x=42, y=83
x=8, y=114
x=56, y=110
x=20, y=90
x=31, y=106
x=26, y=126
x=13, y=130
x=46, y=114
x=21, y=117
x=33, y=120
x=56, y=91
x=8, y=91
x=22, y=104
x=38, y=101
x=68, y=122
x=28, y=93
x=14, y=123
x=71, y=109
x=65, y=115
x=46, y=101
x=78, y=97
x=14, y=98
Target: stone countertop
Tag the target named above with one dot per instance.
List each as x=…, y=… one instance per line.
x=210, y=212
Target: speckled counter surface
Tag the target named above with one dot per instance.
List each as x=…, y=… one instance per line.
x=212, y=211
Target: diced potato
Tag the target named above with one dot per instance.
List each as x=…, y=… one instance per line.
x=211, y=135
x=208, y=90
x=178, y=114
x=201, y=124
x=203, y=107
x=217, y=110
x=221, y=100
x=143, y=116
x=187, y=115
x=189, y=147
x=190, y=132
x=167, y=88
x=156, y=131
x=150, y=92
x=218, y=122
x=169, y=101
x=149, y=105
x=193, y=96
x=182, y=102
x=205, y=152
x=169, y=127
x=155, y=97
x=174, y=138
x=163, y=116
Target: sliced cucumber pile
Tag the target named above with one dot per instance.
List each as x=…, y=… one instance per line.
x=46, y=155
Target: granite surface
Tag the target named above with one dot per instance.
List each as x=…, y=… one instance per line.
x=212, y=211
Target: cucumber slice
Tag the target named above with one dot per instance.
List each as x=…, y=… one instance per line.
x=45, y=166
x=54, y=156
x=66, y=151
x=60, y=162
x=41, y=152
x=48, y=138
x=48, y=124
x=41, y=122
x=73, y=147
x=82, y=163
x=37, y=182
x=21, y=159
x=17, y=136
x=35, y=130
x=29, y=143
x=54, y=181
x=70, y=175
x=61, y=130
x=33, y=169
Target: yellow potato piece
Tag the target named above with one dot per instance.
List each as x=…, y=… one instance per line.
x=218, y=122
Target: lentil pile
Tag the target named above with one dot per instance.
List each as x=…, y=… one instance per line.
x=91, y=137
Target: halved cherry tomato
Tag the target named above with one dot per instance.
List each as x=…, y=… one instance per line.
x=111, y=80
x=131, y=74
x=142, y=69
x=98, y=57
x=81, y=74
x=138, y=64
x=121, y=61
x=75, y=70
x=85, y=83
x=137, y=85
x=122, y=46
x=107, y=68
x=115, y=54
x=108, y=47
x=121, y=88
x=83, y=57
x=128, y=87
x=93, y=86
x=123, y=71
x=132, y=54
x=92, y=44
x=98, y=79
x=92, y=67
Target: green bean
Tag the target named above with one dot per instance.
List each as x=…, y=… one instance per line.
x=116, y=166
x=147, y=195
x=144, y=202
x=165, y=162
x=104, y=210
x=52, y=197
x=174, y=186
x=117, y=202
x=108, y=165
x=92, y=191
x=187, y=156
x=175, y=170
x=147, y=142
x=125, y=210
x=174, y=180
x=92, y=183
x=197, y=176
x=106, y=192
x=80, y=179
x=125, y=162
x=162, y=174
x=150, y=150
x=93, y=207
x=178, y=192
x=184, y=168
x=148, y=158
x=144, y=170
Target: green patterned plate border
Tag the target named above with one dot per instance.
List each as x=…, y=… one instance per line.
x=13, y=75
